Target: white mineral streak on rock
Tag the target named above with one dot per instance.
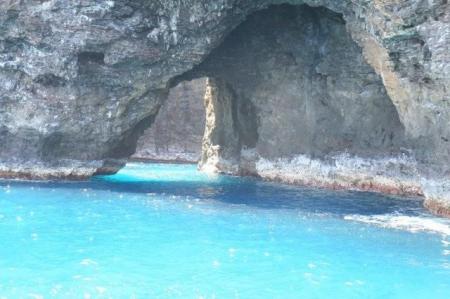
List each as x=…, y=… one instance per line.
x=397, y=175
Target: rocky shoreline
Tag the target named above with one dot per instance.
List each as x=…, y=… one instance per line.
x=437, y=207
x=164, y=161
x=389, y=175
x=46, y=173
x=394, y=175
x=335, y=174
x=63, y=170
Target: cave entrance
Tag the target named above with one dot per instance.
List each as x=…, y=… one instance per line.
x=177, y=131
x=290, y=81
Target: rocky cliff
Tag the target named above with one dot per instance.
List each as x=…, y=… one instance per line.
x=350, y=93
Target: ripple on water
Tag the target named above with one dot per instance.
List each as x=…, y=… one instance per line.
x=165, y=231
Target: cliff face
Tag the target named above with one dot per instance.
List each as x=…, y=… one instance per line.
x=177, y=132
x=365, y=79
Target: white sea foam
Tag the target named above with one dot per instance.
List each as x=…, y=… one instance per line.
x=88, y=262
x=409, y=223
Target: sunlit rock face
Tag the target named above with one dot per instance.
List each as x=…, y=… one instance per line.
x=81, y=81
x=222, y=140
x=177, y=132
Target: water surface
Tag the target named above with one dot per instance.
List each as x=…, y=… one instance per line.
x=168, y=231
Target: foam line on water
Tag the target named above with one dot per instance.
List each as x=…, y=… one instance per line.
x=409, y=223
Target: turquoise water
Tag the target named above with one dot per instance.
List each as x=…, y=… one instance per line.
x=167, y=231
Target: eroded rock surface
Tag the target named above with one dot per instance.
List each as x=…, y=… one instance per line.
x=177, y=132
x=307, y=85
x=81, y=80
x=221, y=143
x=303, y=95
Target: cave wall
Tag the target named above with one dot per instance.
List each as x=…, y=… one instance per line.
x=297, y=89
x=177, y=131
x=310, y=88
x=81, y=80
x=324, y=114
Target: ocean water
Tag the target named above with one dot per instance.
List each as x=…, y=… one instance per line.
x=168, y=231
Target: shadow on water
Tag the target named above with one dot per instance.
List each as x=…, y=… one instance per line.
x=250, y=192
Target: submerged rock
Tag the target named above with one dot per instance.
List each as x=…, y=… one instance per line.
x=81, y=81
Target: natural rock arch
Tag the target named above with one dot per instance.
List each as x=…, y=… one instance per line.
x=177, y=131
x=79, y=81
x=293, y=82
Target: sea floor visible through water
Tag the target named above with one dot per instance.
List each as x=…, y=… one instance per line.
x=168, y=231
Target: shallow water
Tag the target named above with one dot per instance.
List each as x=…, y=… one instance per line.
x=167, y=231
